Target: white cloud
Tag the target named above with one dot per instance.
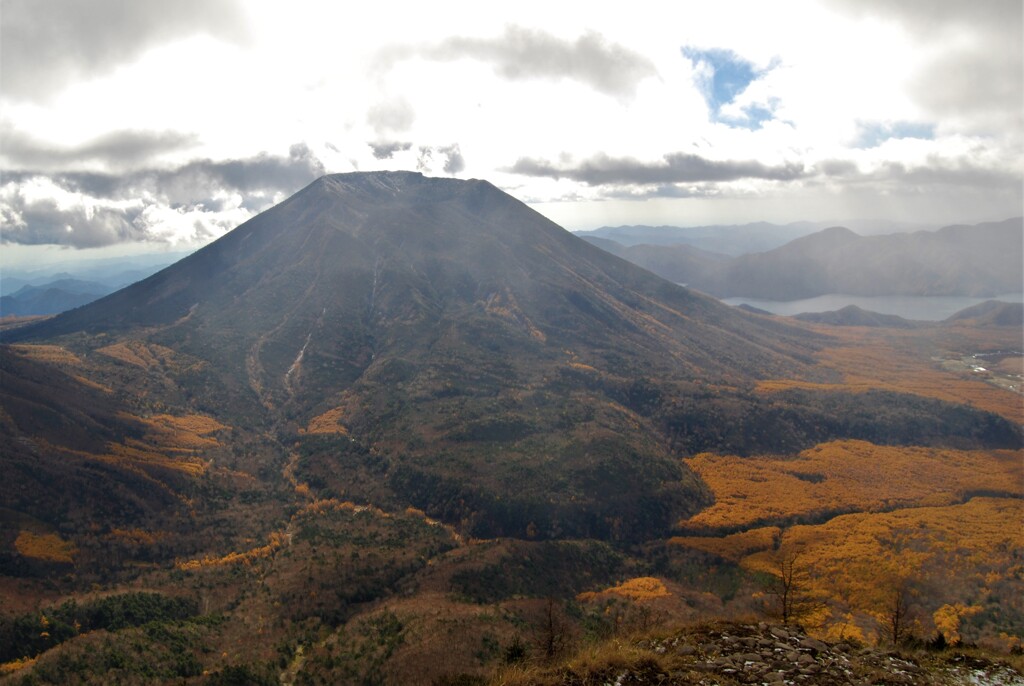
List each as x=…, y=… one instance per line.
x=184, y=105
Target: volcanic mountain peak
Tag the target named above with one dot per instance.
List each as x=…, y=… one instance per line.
x=435, y=342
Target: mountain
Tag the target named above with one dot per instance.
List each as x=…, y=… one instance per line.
x=447, y=323
x=51, y=298
x=435, y=342
x=725, y=239
x=851, y=315
x=981, y=260
x=990, y=313
x=112, y=272
x=677, y=263
x=390, y=430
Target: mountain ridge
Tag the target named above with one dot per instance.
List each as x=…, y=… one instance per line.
x=980, y=260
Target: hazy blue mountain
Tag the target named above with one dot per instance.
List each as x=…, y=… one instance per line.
x=977, y=261
x=52, y=298
x=730, y=239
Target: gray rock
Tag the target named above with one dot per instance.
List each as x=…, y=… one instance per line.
x=814, y=644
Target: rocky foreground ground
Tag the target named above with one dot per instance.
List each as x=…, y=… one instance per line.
x=768, y=655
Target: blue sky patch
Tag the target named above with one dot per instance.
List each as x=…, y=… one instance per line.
x=871, y=134
x=729, y=76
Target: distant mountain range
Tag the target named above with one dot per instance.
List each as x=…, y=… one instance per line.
x=731, y=239
x=738, y=239
x=51, y=298
x=979, y=261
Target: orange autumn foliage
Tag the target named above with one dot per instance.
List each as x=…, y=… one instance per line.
x=247, y=557
x=894, y=361
x=48, y=547
x=864, y=557
x=15, y=665
x=948, y=617
x=141, y=354
x=328, y=423
x=638, y=589
x=847, y=476
x=141, y=454
x=188, y=432
x=733, y=547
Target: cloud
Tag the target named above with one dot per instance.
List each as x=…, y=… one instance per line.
x=975, y=78
x=385, y=150
x=117, y=149
x=524, y=53
x=938, y=173
x=41, y=212
x=48, y=44
x=454, y=163
x=391, y=116
x=676, y=168
x=190, y=203
x=453, y=160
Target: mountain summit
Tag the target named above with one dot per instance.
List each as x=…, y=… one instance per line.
x=359, y=269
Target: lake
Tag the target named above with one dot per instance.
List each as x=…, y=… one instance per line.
x=927, y=308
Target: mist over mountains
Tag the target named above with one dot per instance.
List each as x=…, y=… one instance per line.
x=980, y=261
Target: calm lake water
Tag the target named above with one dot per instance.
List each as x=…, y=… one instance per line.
x=927, y=308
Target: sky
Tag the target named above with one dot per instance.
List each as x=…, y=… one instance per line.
x=140, y=126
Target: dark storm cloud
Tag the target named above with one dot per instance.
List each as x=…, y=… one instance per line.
x=117, y=149
x=47, y=44
x=521, y=53
x=385, y=150
x=676, y=168
x=977, y=73
x=103, y=209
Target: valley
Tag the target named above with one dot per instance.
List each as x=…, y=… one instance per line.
x=406, y=430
